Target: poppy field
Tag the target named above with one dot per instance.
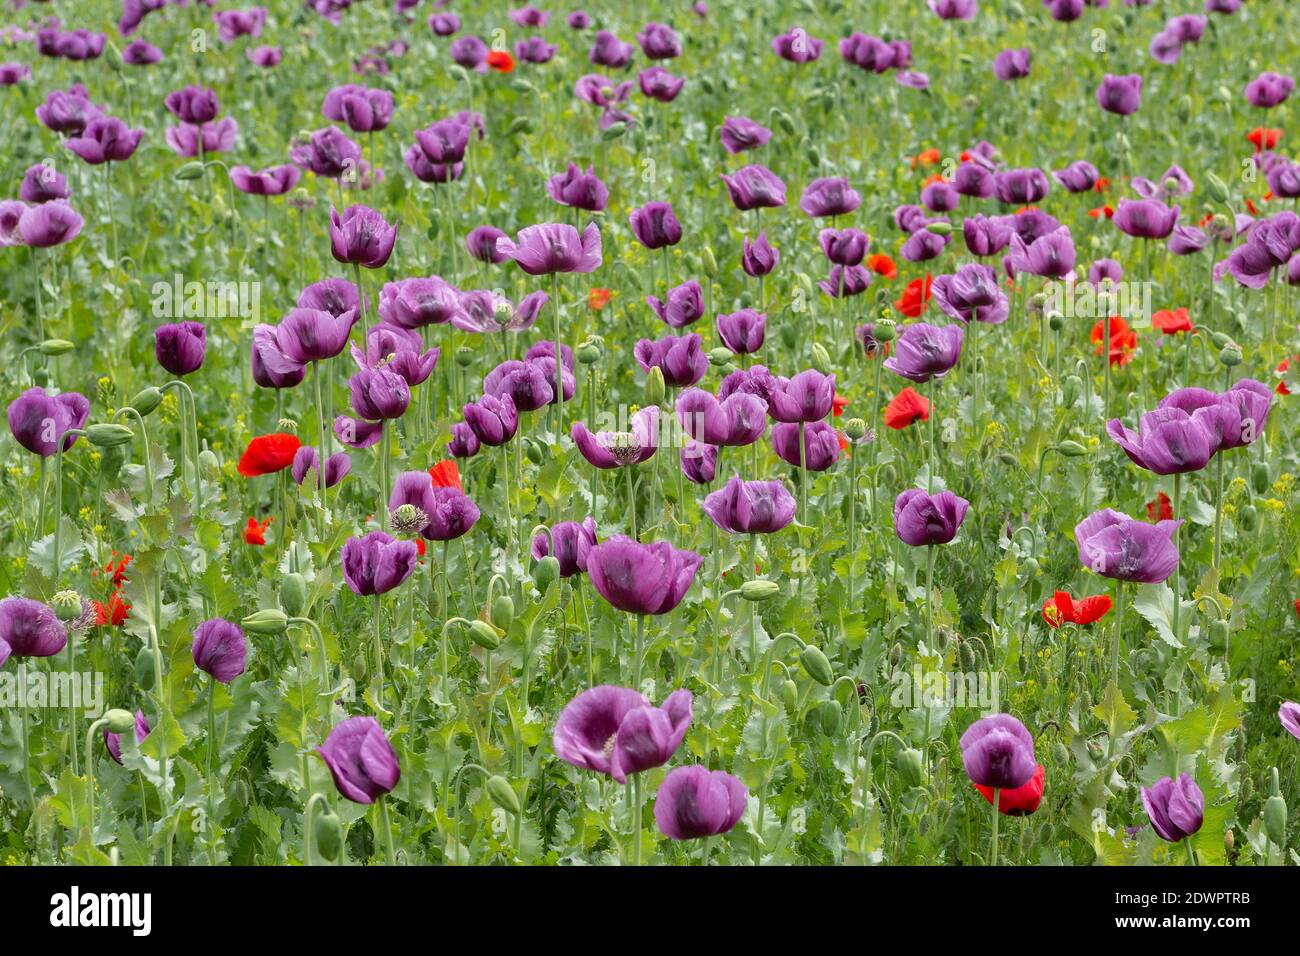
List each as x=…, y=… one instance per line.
x=663, y=434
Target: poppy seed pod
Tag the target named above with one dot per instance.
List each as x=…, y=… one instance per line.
x=817, y=665
x=654, y=386
x=908, y=764
x=1230, y=355
x=53, y=347
x=147, y=400
x=1275, y=817
x=546, y=572
x=503, y=612
x=327, y=830
x=484, y=635
x=293, y=594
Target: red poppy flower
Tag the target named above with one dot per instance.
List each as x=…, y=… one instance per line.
x=1060, y=609
x=1100, y=211
x=843, y=441
x=927, y=157
x=882, y=265
x=932, y=179
x=501, y=61
x=1102, y=184
x=1172, y=322
x=1250, y=207
x=255, y=532
x=267, y=454
x=1282, y=368
x=116, y=569
x=446, y=474
x=1123, y=340
x=419, y=546
x=112, y=614
x=598, y=298
x=915, y=297
x=1160, y=509
x=838, y=404
x=906, y=407
x=1262, y=138
x=1021, y=801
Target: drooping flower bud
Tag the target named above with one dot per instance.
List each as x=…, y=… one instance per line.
x=108, y=434
x=503, y=795
x=119, y=721
x=267, y=622
x=817, y=665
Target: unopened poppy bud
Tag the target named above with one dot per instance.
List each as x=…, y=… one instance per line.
x=1095, y=750
x=1061, y=753
x=1248, y=517
x=830, y=713
x=1055, y=321
x=1275, y=819
x=66, y=605
x=1008, y=459
x=896, y=655
x=813, y=154
x=503, y=795
x=939, y=228
x=1031, y=568
x=856, y=429
x=520, y=124
x=789, y=335
x=108, y=434
x=817, y=665
x=908, y=764
x=360, y=667
x=1070, y=391
x=720, y=356
x=546, y=571
x=785, y=121
x=589, y=352
x=142, y=669
x=759, y=590
x=1216, y=187
x=1071, y=449
x=1220, y=339
x=293, y=593
x=533, y=452
x=1230, y=355
x=821, y=359
x=267, y=622
x=1245, y=791
x=147, y=400
x=805, y=283
x=614, y=131
x=120, y=721
x=464, y=356
x=484, y=635
x=208, y=461
x=503, y=611
x=191, y=170
x=1228, y=840
x=56, y=347
x=790, y=696
x=327, y=830
x=654, y=386
x=709, y=262
x=1259, y=477
x=884, y=330
x=966, y=654
x=1219, y=636
x=707, y=84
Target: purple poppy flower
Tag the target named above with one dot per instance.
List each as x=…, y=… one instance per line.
x=578, y=20
x=49, y=224
x=494, y=419
x=750, y=507
x=572, y=543
x=379, y=394
x=618, y=449
x=554, y=247
x=194, y=105
x=871, y=345
x=307, y=460
x=272, y=368
x=361, y=236
x=67, y=111
x=695, y=802
x=1175, y=182
x=336, y=296
x=609, y=51
x=1289, y=715
x=360, y=758
x=376, y=563
x=105, y=139
x=530, y=384
x=449, y=512
x=986, y=236
x=464, y=443
x=482, y=310
x=30, y=629
x=940, y=197
x=641, y=578
x=681, y=358
x=1116, y=546
x=1051, y=256
x=1176, y=809
x=1145, y=218
x=535, y=50
x=830, y=196
x=1105, y=270
x=752, y=381
x=470, y=52
x=364, y=109
x=273, y=181
x=755, y=187
x=658, y=84
x=1121, y=95
x=925, y=519
x=188, y=140
x=659, y=42
x=797, y=46
x=821, y=445
x=42, y=183
x=742, y=331
x=1079, y=177
x=1012, y=64
x=807, y=397
x=699, y=462
x=599, y=91
x=220, y=649
x=973, y=180
x=954, y=9
x=263, y=56
x=740, y=133
x=427, y=171
x=924, y=245
x=1187, y=240
x=311, y=335
x=758, y=258
x=444, y=24
x=416, y=303
x=232, y=24
x=925, y=351
x=530, y=16
x=972, y=295
x=739, y=419
x=113, y=742
x=1021, y=187
x=998, y=752
x=685, y=305
x=581, y=190
x=1269, y=89
x=482, y=244
x=912, y=79
x=11, y=74
x=180, y=347
x=655, y=225
x=845, y=247
x=1169, y=441
x=1064, y=11
x=615, y=730
x=38, y=420
x=327, y=153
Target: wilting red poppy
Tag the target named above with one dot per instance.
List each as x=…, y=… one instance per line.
x=906, y=407
x=882, y=265
x=112, y=614
x=598, y=298
x=255, y=532
x=1060, y=609
x=843, y=441
x=446, y=474
x=838, y=404
x=1100, y=211
x=1021, y=801
x=1262, y=138
x=501, y=61
x=115, y=569
x=1172, y=322
x=915, y=297
x=927, y=157
x=267, y=454
x=1123, y=340
x=419, y=545
x=1282, y=368
x=1161, y=509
